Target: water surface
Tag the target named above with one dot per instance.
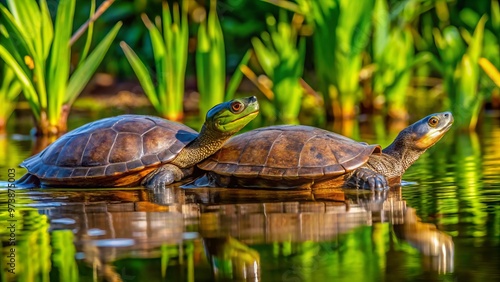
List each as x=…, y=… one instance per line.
x=442, y=225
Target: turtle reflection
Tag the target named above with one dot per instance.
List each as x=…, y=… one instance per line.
x=248, y=235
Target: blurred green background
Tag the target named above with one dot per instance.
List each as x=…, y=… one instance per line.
x=308, y=61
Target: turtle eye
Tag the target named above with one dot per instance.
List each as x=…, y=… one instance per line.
x=236, y=106
x=433, y=121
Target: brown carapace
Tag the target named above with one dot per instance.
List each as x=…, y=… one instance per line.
x=289, y=156
x=133, y=150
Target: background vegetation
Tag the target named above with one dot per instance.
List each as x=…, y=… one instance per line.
x=314, y=61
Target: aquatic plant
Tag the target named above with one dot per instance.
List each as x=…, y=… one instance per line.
x=210, y=61
x=341, y=34
x=37, y=51
x=490, y=61
x=281, y=53
x=170, y=51
x=10, y=89
x=490, y=70
x=459, y=66
x=129, y=12
x=394, y=57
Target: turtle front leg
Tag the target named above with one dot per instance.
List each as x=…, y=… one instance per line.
x=162, y=176
x=365, y=178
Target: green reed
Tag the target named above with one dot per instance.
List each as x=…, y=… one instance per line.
x=170, y=51
x=490, y=70
x=211, y=64
x=348, y=22
x=490, y=61
x=210, y=61
x=393, y=51
x=38, y=52
x=10, y=89
x=341, y=33
x=281, y=53
x=459, y=65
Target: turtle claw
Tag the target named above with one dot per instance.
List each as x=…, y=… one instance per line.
x=368, y=179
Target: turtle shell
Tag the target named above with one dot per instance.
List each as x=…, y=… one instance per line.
x=287, y=156
x=116, y=151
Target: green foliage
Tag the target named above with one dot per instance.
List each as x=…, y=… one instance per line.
x=341, y=33
x=394, y=57
x=37, y=51
x=490, y=61
x=351, y=35
x=211, y=64
x=237, y=76
x=128, y=12
x=490, y=70
x=10, y=89
x=210, y=61
x=281, y=55
x=459, y=66
x=404, y=34
x=170, y=55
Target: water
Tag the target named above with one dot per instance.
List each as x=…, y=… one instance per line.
x=443, y=224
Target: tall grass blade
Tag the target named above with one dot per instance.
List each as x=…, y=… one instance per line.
x=81, y=76
x=17, y=43
x=90, y=32
x=490, y=70
x=24, y=80
x=393, y=55
x=210, y=61
x=170, y=54
x=47, y=29
x=469, y=99
x=160, y=53
x=10, y=89
x=237, y=76
x=460, y=71
x=39, y=53
x=281, y=55
x=341, y=34
x=28, y=13
x=142, y=74
x=59, y=61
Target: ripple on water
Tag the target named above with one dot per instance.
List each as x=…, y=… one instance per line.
x=114, y=243
x=455, y=185
x=96, y=232
x=66, y=221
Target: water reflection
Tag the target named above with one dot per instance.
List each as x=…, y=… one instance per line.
x=229, y=234
x=11, y=155
x=26, y=252
x=459, y=191
x=299, y=235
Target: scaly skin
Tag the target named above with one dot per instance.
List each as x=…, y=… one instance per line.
x=222, y=122
x=201, y=148
x=411, y=142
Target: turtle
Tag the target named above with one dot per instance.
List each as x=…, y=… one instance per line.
x=132, y=150
x=299, y=156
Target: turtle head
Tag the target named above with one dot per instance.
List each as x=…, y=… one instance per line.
x=429, y=130
x=230, y=117
x=418, y=137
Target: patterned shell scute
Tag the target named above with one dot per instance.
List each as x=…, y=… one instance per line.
x=111, y=146
x=289, y=152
